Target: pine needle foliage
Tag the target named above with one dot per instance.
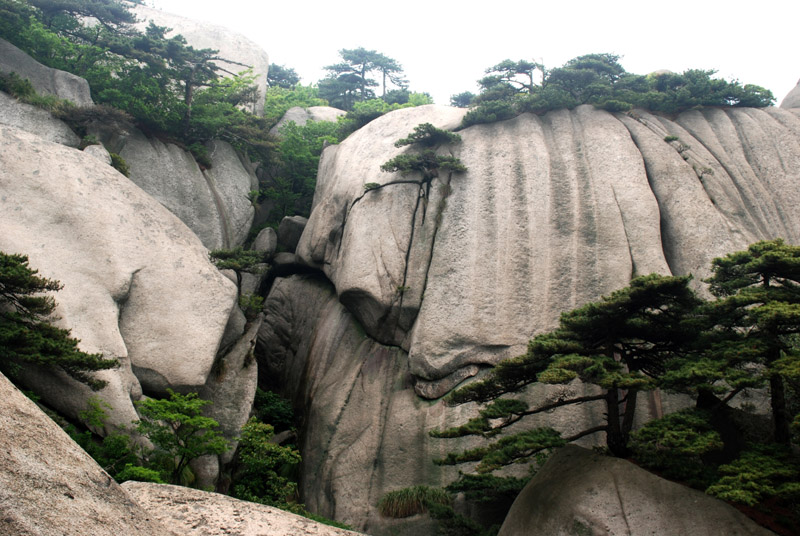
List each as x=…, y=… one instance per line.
x=427, y=135
x=26, y=336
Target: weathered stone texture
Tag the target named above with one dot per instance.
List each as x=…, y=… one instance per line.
x=138, y=284
x=35, y=120
x=214, y=203
x=50, y=487
x=579, y=492
x=45, y=80
x=192, y=512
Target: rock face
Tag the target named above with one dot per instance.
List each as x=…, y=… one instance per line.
x=553, y=212
x=50, y=487
x=192, y=512
x=45, y=80
x=365, y=430
x=214, y=203
x=138, y=284
x=233, y=46
x=301, y=116
x=579, y=492
x=792, y=99
x=32, y=119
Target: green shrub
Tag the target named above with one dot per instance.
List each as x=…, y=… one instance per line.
x=119, y=163
x=761, y=472
x=428, y=135
x=140, y=474
x=411, y=501
x=488, y=112
x=676, y=445
x=272, y=408
x=371, y=186
x=251, y=305
x=200, y=154
x=263, y=465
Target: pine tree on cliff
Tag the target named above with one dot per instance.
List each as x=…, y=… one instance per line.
x=26, y=338
x=759, y=311
x=620, y=344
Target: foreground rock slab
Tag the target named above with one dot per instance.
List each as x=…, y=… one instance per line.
x=580, y=492
x=50, y=487
x=193, y=512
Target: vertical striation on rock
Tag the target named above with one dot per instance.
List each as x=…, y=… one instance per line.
x=553, y=212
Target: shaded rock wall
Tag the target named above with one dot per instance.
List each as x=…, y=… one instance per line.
x=214, y=203
x=365, y=430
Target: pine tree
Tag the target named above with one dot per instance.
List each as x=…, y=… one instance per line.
x=25, y=335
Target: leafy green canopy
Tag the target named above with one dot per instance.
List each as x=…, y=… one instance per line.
x=263, y=463
x=352, y=79
x=514, y=87
x=177, y=427
x=26, y=337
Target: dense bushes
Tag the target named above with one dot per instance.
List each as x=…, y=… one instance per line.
x=511, y=88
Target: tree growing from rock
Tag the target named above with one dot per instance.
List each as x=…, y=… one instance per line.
x=26, y=336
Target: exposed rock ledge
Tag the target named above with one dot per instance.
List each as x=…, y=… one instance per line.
x=192, y=512
x=50, y=487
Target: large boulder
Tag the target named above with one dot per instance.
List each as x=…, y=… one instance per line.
x=428, y=284
x=792, y=99
x=45, y=80
x=138, y=284
x=192, y=512
x=554, y=211
x=241, y=51
x=213, y=202
x=580, y=492
x=50, y=487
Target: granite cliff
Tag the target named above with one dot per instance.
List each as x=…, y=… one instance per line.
x=425, y=286
x=401, y=290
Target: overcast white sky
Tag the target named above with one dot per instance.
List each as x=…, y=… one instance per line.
x=444, y=46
